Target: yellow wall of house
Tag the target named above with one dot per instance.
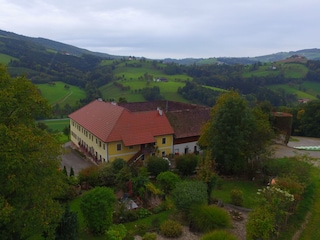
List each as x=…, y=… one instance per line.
x=81, y=135
x=109, y=151
x=164, y=148
x=125, y=153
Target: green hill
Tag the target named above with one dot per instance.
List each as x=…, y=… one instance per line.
x=58, y=93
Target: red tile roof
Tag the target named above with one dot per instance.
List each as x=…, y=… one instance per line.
x=110, y=122
x=186, y=119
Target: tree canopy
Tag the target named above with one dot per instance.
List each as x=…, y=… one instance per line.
x=235, y=134
x=30, y=177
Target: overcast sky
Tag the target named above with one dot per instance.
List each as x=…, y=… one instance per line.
x=169, y=28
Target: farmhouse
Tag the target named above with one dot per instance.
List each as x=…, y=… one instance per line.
x=132, y=131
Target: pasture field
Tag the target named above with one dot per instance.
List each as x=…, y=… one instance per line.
x=56, y=125
x=306, y=90
x=215, y=88
x=58, y=94
x=5, y=59
x=289, y=70
x=167, y=89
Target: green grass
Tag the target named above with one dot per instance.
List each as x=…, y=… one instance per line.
x=57, y=94
x=56, y=125
x=215, y=88
x=167, y=89
x=249, y=189
x=312, y=230
x=289, y=70
x=296, y=89
x=5, y=59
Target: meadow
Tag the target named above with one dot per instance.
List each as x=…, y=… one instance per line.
x=289, y=70
x=58, y=94
x=5, y=59
x=306, y=89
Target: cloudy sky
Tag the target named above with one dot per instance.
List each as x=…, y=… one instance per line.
x=169, y=28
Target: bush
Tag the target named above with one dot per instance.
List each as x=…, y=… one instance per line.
x=205, y=218
x=188, y=193
x=236, y=197
x=149, y=236
x=167, y=181
x=116, y=232
x=156, y=165
x=143, y=213
x=89, y=175
x=171, y=229
x=186, y=164
x=97, y=207
x=118, y=164
x=261, y=224
x=219, y=235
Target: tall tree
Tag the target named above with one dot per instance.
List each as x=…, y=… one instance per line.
x=29, y=176
x=235, y=134
x=310, y=119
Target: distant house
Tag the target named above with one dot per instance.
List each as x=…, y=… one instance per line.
x=161, y=79
x=304, y=100
x=105, y=131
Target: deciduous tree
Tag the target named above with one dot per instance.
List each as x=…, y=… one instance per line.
x=30, y=179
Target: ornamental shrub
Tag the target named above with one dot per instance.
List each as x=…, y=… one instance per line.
x=156, y=165
x=205, y=218
x=188, y=193
x=149, y=236
x=186, y=164
x=171, y=229
x=116, y=232
x=236, y=197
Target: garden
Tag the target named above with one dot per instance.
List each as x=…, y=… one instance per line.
x=187, y=199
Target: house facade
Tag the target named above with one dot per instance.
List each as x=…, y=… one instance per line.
x=105, y=131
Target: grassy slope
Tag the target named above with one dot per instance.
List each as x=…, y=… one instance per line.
x=58, y=94
x=5, y=59
x=311, y=89
x=289, y=70
x=132, y=76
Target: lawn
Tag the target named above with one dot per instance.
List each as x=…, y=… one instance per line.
x=249, y=189
x=58, y=94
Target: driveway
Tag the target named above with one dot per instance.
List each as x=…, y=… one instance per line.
x=71, y=158
x=290, y=151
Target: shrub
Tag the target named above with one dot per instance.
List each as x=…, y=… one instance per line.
x=116, y=232
x=205, y=218
x=149, y=236
x=156, y=165
x=236, y=197
x=97, y=207
x=143, y=213
x=188, y=193
x=167, y=181
x=219, y=235
x=171, y=229
x=261, y=224
x=186, y=164
x=89, y=175
x=118, y=164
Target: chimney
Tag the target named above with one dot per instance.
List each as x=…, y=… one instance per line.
x=159, y=111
